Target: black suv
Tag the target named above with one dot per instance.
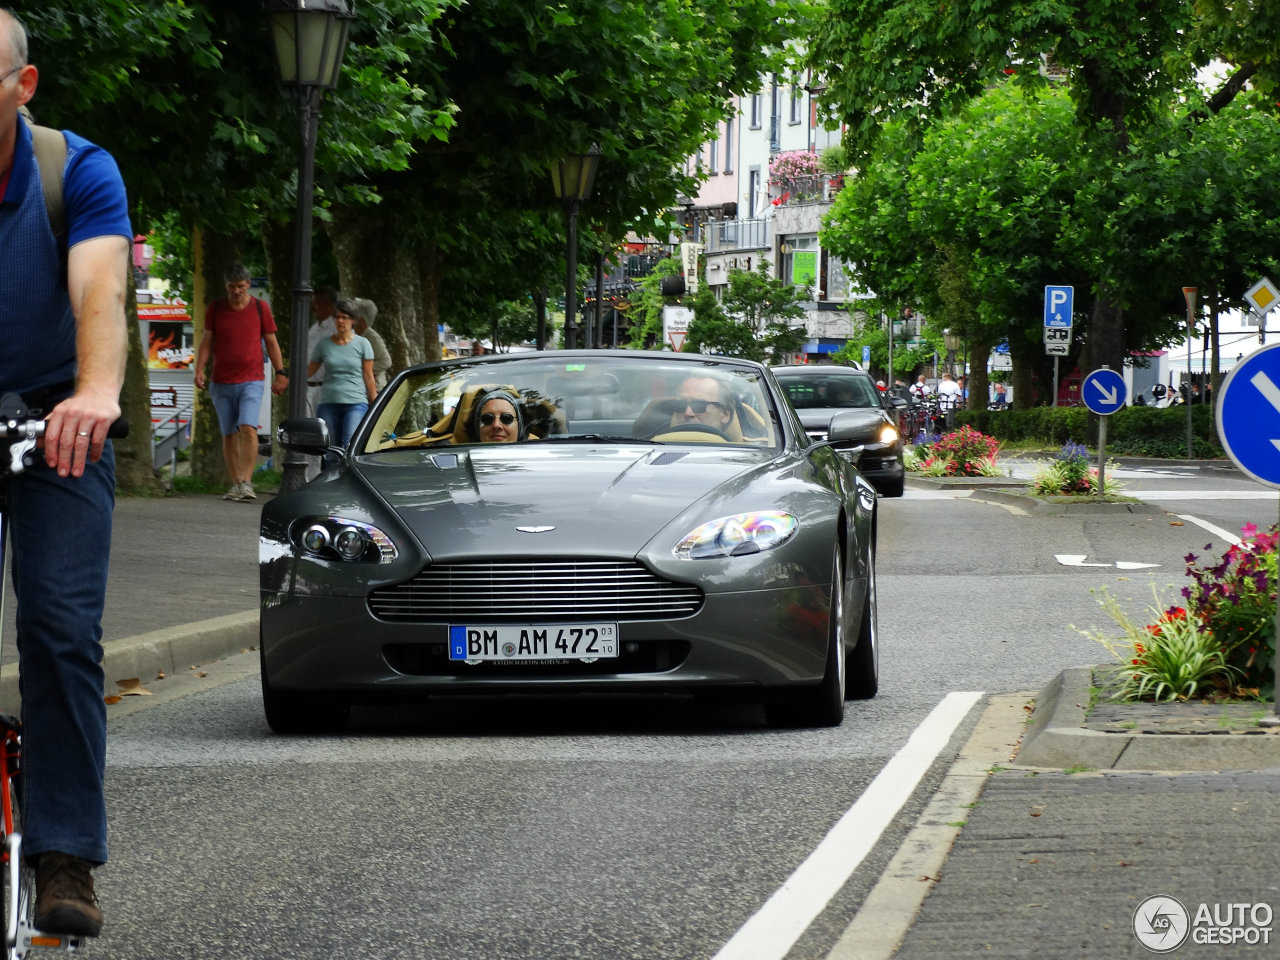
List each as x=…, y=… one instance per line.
x=829, y=397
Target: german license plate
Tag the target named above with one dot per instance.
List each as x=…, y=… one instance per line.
x=576, y=641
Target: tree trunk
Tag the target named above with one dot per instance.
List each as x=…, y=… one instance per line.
x=1106, y=334
x=277, y=243
x=212, y=252
x=1215, y=360
x=1023, y=375
x=429, y=283
x=372, y=264
x=135, y=471
x=979, y=379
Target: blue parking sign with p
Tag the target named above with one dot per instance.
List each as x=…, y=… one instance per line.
x=1057, y=306
x=1248, y=415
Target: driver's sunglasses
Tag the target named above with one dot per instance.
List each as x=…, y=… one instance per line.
x=486, y=419
x=700, y=406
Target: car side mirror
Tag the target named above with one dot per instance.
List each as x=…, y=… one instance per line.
x=309, y=435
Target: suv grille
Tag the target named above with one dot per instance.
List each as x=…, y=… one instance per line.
x=514, y=590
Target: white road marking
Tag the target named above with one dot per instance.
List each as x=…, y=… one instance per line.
x=1076, y=560
x=1258, y=494
x=774, y=929
x=1215, y=530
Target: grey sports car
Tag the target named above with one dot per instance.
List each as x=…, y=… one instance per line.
x=571, y=521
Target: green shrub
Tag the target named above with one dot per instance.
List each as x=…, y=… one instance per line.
x=1131, y=431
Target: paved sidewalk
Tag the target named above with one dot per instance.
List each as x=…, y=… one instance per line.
x=1053, y=831
x=183, y=588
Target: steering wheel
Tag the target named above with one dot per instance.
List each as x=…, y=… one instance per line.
x=691, y=427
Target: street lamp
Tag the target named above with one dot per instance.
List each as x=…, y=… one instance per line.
x=309, y=37
x=572, y=179
x=951, y=340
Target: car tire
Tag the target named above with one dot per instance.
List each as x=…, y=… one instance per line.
x=864, y=662
x=301, y=713
x=894, y=488
x=823, y=705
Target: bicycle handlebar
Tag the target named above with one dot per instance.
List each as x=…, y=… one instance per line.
x=22, y=432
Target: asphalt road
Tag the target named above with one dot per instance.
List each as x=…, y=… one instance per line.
x=530, y=828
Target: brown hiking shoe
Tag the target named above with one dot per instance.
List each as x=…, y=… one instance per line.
x=64, y=896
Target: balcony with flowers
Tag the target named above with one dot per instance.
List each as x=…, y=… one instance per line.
x=798, y=176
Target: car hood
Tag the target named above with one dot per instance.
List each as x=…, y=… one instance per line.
x=539, y=498
x=868, y=419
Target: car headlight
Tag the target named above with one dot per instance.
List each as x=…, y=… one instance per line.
x=334, y=538
x=736, y=536
x=888, y=434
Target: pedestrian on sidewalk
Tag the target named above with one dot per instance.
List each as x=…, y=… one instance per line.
x=362, y=324
x=348, y=386
x=62, y=298
x=236, y=329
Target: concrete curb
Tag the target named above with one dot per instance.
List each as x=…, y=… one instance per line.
x=1045, y=508
x=171, y=651
x=1057, y=739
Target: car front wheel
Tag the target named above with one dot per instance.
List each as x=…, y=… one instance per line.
x=301, y=713
x=823, y=705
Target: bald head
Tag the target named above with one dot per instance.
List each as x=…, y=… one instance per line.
x=13, y=40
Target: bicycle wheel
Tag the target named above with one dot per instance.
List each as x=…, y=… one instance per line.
x=18, y=881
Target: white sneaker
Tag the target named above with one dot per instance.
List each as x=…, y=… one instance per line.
x=233, y=493
x=246, y=492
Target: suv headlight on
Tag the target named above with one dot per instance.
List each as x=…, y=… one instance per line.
x=888, y=434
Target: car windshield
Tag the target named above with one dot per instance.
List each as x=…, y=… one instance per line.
x=619, y=396
x=830, y=390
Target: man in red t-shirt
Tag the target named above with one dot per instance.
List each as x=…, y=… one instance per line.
x=235, y=330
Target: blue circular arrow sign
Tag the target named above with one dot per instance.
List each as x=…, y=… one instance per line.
x=1249, y=415
x=1103, y=391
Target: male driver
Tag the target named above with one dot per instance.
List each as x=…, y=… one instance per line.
x=705, y=402
x=235, y=328
x=65, y=348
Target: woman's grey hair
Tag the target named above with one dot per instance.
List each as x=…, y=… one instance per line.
x=366, y=310
x=345, y=305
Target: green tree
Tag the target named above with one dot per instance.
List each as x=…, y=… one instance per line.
x=1124, y=69
x=752, y=319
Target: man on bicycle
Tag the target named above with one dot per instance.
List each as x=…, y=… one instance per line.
x=62, y=303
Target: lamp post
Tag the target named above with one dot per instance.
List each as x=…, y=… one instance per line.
x=572, y=179
x=951, y=340
x=309, y=38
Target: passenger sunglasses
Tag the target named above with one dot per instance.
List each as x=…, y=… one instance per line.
x=700, y=406
x=486, y=419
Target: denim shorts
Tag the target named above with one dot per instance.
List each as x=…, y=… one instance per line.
x=238, y=404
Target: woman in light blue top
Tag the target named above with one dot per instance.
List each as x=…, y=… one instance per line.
x=349, y=386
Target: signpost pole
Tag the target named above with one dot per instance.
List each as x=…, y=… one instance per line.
x=1190, y=294
x=1102, y=453
x=1055, y=382
x=1104, y=392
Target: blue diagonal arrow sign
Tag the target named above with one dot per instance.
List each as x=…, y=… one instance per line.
x=1249, y=415
x=1103, y=391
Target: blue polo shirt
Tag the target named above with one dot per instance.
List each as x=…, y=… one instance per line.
x=36, y=319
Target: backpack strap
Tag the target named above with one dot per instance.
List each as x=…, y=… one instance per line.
x=51, y=154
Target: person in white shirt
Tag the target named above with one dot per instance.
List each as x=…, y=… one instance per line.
x=948, y=394
x=921, y=389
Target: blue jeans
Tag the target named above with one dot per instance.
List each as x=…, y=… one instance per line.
x=60, y=535
x=342, y=420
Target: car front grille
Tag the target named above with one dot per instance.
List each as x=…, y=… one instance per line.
x=525, y=591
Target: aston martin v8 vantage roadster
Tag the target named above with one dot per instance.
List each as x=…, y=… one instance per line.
x=571, y=521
